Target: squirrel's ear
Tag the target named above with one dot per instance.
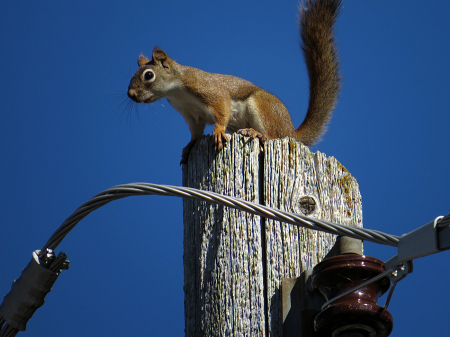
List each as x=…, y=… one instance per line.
x=142, y=60
x=160, y=56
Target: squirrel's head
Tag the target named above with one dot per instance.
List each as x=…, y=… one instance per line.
x=154, y=78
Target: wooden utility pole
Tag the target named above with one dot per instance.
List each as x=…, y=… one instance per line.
x=234, y=262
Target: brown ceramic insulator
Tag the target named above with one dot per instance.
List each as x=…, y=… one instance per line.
x=357, y=313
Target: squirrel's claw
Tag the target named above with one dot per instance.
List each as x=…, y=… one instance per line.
x=252, y=133
x=218, y=135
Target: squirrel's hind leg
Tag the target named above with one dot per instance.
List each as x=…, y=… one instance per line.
x=252, y=133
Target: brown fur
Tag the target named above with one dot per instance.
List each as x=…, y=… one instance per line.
x=316, y=23
x=236, y=105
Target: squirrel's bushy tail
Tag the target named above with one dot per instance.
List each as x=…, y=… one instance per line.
x=317, y=18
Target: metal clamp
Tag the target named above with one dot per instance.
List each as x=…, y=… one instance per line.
x=420, y=242
x=29, y=290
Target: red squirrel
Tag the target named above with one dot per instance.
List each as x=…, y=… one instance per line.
x=236, y=105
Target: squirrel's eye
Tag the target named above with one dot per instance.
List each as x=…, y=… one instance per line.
x=148, y=75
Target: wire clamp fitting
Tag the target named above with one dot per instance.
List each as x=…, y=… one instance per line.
x=29, y=290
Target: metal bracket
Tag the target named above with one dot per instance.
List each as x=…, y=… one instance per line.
x=403, y=268
x=420, y=242
x=300, y=305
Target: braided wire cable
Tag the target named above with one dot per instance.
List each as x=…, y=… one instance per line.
x=126, y=190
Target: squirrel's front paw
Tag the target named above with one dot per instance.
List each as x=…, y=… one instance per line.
x=219, y=135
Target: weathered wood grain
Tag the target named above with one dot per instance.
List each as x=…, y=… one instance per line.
x=234, y=262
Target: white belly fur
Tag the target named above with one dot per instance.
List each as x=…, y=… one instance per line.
x=192, y=109
x=243, y=114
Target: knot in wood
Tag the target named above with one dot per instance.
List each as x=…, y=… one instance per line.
x=307, y=205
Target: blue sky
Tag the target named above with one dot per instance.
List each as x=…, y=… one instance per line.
x=66, y=135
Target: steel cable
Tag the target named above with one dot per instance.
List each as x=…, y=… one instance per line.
x=126, y=190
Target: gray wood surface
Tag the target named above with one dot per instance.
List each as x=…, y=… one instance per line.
x=234, y=262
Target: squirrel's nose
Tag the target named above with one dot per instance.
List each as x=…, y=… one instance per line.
x=132, y=94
